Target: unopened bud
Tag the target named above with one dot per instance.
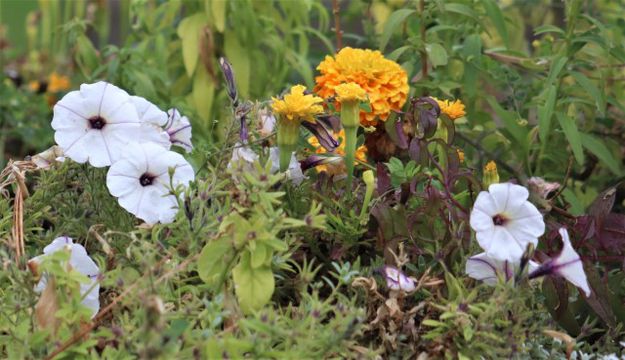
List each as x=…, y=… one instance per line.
x=491, y=176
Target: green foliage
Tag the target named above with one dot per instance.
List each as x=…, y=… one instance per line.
x=257, y=267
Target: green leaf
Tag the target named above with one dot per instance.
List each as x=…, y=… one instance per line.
x=437, y=54
x=496, y=16
x=472, y=48
x=259, y=255
x=462, y=10
x=397, y=52
x=253, y=286
x=556, y=67
x=240, y=60
x=189, y=32
x=218, y=10
x=393, y=22
x=548, y=28
x=509, y=120
x=569, y=126
x=210, y=264
x=203, y=93
x=591, y=89
x=599, y=149
x=545, y=112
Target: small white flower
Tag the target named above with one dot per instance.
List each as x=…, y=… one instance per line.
x=243, y=156
x=567, y=264
x=178, y=128
x=505, y=222
x=293, y=173
x=140, y=180
x=484, y=268
x=266, y=124
x=81, y=262
x=397, y=280
x=94, y=123
x=150, y=117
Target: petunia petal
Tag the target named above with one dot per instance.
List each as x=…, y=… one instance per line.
x=486, y=204
x=482, y=267
x=481, y=221
x=508, y=197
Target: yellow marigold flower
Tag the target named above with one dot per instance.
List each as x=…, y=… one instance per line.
x=453, y=109
x=384, y=81
x=350, y=92
x=337, y=168
x=296, y=106
x=57, y=83
x=491, y=166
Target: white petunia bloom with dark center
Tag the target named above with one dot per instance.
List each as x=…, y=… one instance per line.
x=484, y=268
x=505, y=222
x=94, y=123
x=80, y=261
x=140, y=180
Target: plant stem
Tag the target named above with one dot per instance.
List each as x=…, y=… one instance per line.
x=351, y=135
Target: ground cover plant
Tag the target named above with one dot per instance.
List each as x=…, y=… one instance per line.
x=306, y=179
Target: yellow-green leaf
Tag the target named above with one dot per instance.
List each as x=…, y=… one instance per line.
x=239, y=58
x=253, y=287
x=203, y=93
x=218, y=8
x=189, y=32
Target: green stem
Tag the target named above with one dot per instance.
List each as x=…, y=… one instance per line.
x=351, y=135
x=285, y=156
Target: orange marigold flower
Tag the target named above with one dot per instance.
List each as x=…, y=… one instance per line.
x=338, y=167
x=296, y=106
x=57, y=83
x=453, y=109
x=383, y=80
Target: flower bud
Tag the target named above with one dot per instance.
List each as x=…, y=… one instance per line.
x=491, y=176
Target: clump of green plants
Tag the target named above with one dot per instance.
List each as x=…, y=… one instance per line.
x=244, y=180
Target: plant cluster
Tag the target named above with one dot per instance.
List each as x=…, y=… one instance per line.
x=435, y=185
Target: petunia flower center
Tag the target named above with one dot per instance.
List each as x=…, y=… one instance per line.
x=499, y=220
x=146, y=179
x=97, y=122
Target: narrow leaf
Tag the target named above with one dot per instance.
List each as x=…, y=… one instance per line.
x=393, y=22
x=598, y=148
x=569, y=126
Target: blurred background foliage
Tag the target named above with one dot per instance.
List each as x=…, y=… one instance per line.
x=543, y=84
x=540, y=78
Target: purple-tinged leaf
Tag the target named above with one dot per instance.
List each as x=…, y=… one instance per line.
x=384, y=179
x=330, y=121
x=402, y=140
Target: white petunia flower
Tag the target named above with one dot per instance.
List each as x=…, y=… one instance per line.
x=567, y=264
x=294, y=172
x=140, y=180
x=243, y=156
x=397, y=280
x=151, y=116
x=178, y=128
x=79, y=261
x=94, y=123
x=484, y=268
x=505, y=222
